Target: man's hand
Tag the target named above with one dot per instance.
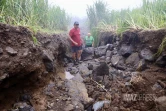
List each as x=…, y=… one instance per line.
x=76, y=43
x=93, y=45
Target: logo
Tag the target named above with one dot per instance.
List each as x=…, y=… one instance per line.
x=139, y=97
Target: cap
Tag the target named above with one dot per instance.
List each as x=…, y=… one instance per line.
x=76, y=23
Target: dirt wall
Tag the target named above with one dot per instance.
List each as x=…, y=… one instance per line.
x=20, y=56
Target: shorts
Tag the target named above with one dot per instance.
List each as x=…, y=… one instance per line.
x=75, y=49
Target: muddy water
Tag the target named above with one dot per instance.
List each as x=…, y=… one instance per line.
x=65, y=75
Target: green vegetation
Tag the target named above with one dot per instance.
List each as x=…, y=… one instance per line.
x=35, y=40
x=151, y=15
x=161, y=48
x=36, y=14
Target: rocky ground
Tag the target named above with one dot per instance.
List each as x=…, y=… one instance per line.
x=119, y=75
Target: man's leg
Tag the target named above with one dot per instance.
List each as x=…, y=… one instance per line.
x=79, y=52
x=74, y=54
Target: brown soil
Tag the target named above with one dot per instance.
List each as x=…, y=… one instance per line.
x=23, y=71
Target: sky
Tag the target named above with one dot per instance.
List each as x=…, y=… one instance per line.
x=78, y=7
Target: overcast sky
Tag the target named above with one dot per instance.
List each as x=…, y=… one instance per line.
x=78, y=7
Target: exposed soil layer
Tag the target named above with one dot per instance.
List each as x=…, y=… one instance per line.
x=144, y=38
x=27, y=66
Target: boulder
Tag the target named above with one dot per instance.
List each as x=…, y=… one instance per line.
x=102, y=58
x=69, y=107
x=83, y=68
x=147, y=54
x=110, y=47
x=100, y=70
x=90, y=66
x=141, y=65
x=115, y=51
x=11, y=51
x=161, y=103
x=126, y=50
x=108, y=60
x=156, y=86
x=133, y=60
x=87, y=53
x=101, y=51
x=109, y=53
x=77, y=90
x=2, y=77
x=117, y=60
x=73, y=70
x=93, y=65
x=22, y=106
x=48, y=59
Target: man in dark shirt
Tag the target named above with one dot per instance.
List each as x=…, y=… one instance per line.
x=76, y=42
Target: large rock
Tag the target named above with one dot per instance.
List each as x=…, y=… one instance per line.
x=100, y=70
x=117, y=60
x=110, y=47
x=147, y=54
x=11, y=51
x=73, y=70
x=77, y=90
x=48, y=59
x=133, y=60
x=87, y=53
x=141, y=65
x=22, y=106
x=126, y=50
x=83, y=68
x=101, y=51
x=93, y=65
x=109, y=53
x=108, y=60
x=161, y=103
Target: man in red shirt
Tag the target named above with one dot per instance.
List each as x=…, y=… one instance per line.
x=76, y=42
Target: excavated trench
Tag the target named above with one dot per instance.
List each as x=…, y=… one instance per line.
x=119, y=75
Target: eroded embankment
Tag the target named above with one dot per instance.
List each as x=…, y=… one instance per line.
x=25, y=67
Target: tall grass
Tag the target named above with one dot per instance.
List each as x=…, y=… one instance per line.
x=97, y=13
x=151, y=15
x=33, y=13
x=161, y=48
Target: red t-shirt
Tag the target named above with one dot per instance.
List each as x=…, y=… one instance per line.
x=75, y=35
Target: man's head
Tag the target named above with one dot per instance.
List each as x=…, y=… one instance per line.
x=76, y=25
x=89, y=34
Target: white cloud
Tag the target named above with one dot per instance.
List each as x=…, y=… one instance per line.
x=78, y=7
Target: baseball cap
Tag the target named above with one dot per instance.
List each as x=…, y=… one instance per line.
x=76, y=23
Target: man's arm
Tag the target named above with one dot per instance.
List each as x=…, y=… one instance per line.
x=70, y=35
